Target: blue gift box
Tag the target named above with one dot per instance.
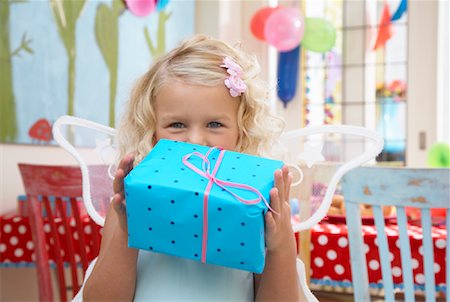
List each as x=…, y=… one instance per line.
x=175, y=208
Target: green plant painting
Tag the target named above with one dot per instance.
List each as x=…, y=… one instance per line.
x=107, y=36
x=160, y=47
x=66, y=14
x=77, y=57
x=8, y=129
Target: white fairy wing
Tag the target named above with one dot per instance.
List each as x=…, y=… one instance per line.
x=323, y=155
x=97, y=166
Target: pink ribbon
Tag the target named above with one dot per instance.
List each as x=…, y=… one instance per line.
x=205, y=172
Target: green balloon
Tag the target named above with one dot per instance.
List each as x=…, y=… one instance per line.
x=439, y=156
x=319, y=36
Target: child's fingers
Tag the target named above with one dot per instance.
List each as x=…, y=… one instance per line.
x=279, y=184
x=275, y=200
x=287, y=177
x=270, y=224
x=117, y=203
x=118, y=181
x=125, y=166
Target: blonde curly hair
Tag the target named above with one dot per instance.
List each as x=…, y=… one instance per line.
x=197, y=61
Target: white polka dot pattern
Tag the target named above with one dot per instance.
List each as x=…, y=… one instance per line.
x=329, y=250
x=17, y=247
x=330, y=256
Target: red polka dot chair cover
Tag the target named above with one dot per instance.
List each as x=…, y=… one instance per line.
x=53, y=189
x=200, y=203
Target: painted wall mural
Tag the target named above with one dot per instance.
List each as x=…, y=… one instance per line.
x=79, y=58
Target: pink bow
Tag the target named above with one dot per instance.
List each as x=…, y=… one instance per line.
x=205, y=172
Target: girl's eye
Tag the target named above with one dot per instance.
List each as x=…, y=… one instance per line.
x=214, y=125
x=177, y=125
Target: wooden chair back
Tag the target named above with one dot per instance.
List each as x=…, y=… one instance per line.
x=56, y=191
x=423, y=189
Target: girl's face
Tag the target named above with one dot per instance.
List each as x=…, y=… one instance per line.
x=197, y=114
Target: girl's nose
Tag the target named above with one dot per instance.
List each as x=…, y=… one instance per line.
x=196, y=137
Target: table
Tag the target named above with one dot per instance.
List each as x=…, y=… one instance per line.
x=330, y=256
x=330, y=259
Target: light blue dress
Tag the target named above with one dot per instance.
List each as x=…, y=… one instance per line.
x=163, y=278
x=167, y=278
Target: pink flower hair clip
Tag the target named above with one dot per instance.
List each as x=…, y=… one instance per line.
x=234, y=81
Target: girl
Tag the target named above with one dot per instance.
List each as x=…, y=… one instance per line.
x=203, y=92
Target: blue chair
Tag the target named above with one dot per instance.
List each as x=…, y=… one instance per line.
x=424, y=189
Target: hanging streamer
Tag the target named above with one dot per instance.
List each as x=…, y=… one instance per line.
x=288, y=66
x=384, y=28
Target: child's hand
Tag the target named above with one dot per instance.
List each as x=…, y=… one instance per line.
x=279, y=234
x=118, y=200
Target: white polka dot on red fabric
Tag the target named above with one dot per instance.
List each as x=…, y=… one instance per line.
x=414, y=263
x=13, y=240
x=18, y=252
x=397, y=243
x=311, y=246
x=7, y=228
x=22, y=229
x=396, y=271
x=2, y=247
x=72, y=222
x=374, y=264
x=75, y=235
x=17, y=219
x=30, y=245
x=420, y=278
x=342, y=242
x=339, y=269
x=375, y=241
x=335, y=230
x=417, y=237
x=318, y=261
x=331, y=254
x=47, y=228
x=61, y=230
x=87, y=229
x=322, y=240
x=33, y=257
x=77, y=258
x=437, y=268
x=421, y=250
x=366, y=248
x=440, y=243
x=391, y=256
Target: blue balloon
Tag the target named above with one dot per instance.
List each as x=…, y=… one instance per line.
x=402, y=7
x=161, y=4
x=288, y=66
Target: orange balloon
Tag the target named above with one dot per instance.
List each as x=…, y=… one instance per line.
x=258, y=22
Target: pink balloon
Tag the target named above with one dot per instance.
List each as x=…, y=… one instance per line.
x=284, y=28
x=141, y=8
